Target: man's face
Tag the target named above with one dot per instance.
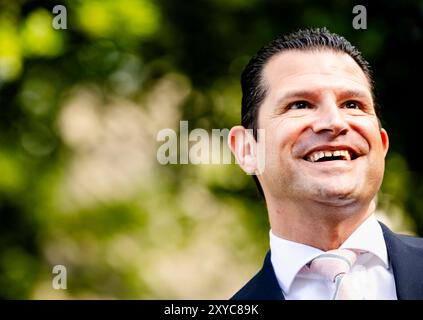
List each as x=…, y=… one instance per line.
x=323, y=141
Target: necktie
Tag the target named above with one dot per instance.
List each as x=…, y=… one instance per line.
x=335, y=266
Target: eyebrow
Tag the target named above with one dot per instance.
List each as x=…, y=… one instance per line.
x=357, y=94
x=313, y=94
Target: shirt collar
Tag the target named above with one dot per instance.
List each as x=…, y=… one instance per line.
x=289, y=257
x=369, y=237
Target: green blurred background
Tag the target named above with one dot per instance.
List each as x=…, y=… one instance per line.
x=80, y=110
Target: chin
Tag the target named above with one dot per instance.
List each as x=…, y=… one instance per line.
x=335, y=196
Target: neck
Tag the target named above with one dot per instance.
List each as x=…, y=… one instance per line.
x=318, y=225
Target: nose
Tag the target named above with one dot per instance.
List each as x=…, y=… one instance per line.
x=330, y=119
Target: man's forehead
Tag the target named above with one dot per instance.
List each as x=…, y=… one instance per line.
x=312, y=65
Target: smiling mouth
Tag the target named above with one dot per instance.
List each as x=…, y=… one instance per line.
x=330, y=155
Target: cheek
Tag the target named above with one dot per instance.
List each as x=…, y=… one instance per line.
x=367, y=125
x=282, y=137
x=368, y=130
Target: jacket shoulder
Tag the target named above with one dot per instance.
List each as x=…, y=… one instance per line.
x=263, y=286
x=249, y=289
x=412, y=241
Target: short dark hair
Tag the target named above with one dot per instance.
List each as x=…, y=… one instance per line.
x=253, y=89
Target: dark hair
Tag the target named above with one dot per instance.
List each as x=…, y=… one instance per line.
x=253, y=89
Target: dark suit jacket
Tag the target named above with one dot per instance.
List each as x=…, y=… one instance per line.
x=405, y=254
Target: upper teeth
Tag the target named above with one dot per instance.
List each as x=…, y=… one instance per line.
x=320, y=154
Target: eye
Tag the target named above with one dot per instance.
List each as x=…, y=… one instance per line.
x=352, y=105
x=299, y=105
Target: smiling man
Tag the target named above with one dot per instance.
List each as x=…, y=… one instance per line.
x=311, y=93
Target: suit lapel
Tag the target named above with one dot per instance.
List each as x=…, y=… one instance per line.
x=406, y=256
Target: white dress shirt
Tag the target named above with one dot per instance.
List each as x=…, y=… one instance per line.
x=371, y=271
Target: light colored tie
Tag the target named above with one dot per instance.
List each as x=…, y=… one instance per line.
x=335, y=266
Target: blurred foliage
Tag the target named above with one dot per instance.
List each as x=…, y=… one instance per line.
x=80, y=110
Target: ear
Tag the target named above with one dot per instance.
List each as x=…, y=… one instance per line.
x=244, y=147
x=373, y=204
x=385, y=140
